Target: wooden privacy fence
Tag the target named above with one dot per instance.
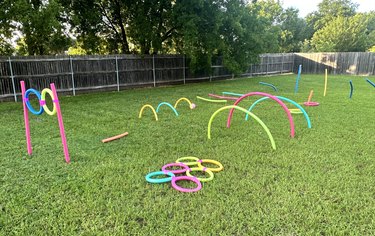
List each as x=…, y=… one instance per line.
x=72, y=75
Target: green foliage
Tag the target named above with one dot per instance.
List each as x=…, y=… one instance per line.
x=343, y=34
x=319, y=183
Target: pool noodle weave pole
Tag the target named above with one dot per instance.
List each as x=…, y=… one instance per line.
x=325, y=82
x=114, y=137
x=310, y=96
x=351, y=89
x=61, y=123
x=26, y=118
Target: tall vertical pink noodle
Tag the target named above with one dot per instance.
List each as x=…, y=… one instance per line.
x=265, y=95
x=61, y=123
x=26, y=118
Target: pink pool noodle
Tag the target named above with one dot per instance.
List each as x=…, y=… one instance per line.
x=222, y=97
x=61, y=123
x=26, y=118
x=265, y=95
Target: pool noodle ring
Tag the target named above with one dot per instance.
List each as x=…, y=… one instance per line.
x=192, y=163
x=211, y=100
x=184, y=99
x=295, y=111
x=27, y=101
x=188, y=178
x=243, y=110
x=311, y=104
x=180, y=171
x=204, y=169
x=169, y=105
x=270, y=85
x=289, y=115
x=307, y=118
x=233, y=94
x=43, y=100
x=217, y=169
x=153, y=111
x=159, y=181
x=351, y=89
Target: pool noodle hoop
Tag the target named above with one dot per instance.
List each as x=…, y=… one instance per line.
x=270, y=85
x=233, y=94
x=217, y=169
x=289, y=115
x=193, y=160
x=325, y=82
x=180, y=171
x=188, y=178
x=115, y=137
x=56, y=104
x=43, y=101
x=222, y=97
x=204, y=169
x=152, y=109
x=299, y=107
x=243, y=110
x=298, y=78
x=159, y=180
x=211, y=100
x=167, y=104
x=351, y=89
x=184, y=99
x=370, y=82
x=29, y=106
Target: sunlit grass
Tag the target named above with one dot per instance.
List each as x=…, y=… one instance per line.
x=320, y=182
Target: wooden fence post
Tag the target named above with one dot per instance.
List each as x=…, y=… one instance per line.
x=72, y=73
x=117, y=76
x=183, y=65
x=153, y=69
x=12, y=77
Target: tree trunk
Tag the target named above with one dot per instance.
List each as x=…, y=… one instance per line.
x=124, y=40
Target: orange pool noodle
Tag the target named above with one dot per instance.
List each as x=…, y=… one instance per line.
x=114, y=137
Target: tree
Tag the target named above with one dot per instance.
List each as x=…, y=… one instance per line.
x=343, y=34
x=6, y=28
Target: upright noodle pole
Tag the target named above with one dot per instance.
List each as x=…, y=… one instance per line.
x=184, y=99
x=310, y=96
x=211, y=100
x=370, y=82
x=243, y=110
x=270, y=85
x=309, y=102
x=290, y=118
x=169, y=105
x=351, y=89
x=26, y=119
x=152, y=109
x=298, y=78
x=325, y=82
x=298, y=110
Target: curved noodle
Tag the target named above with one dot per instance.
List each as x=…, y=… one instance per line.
x=351, y=89
x=290, y=118
x=183, y=99
x=270, y=85
x=168, y=104
x=153, y=111
x=244, y=110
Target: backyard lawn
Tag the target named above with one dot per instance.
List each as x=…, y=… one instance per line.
x=321, y=182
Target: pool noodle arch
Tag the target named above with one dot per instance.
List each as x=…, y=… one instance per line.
x=169, y=105
x=153, y=111
x=290, y=118
x=183, y=99
x=285, y=99
x=270, y=85
x=244, y=110
x=211, y=100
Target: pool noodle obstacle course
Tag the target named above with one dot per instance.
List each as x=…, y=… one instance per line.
x=351, y=89
x=298, y=78
x=370, y=82
x=298, y=110
x=184, y=168
x=43, y=107
x=114, y=137
x=309, y=103
x=243, y=110
x=289, y=115
x=269, y=85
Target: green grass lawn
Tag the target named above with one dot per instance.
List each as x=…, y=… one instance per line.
x=319, y=183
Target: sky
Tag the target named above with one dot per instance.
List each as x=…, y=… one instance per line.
x=307, y=6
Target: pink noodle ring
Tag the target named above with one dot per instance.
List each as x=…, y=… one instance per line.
x=185, y=168
x=311, y=104
x=188, y=178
